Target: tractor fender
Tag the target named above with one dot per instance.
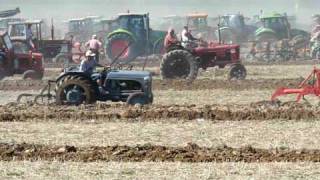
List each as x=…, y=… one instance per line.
x=264, y=30
x=120, y=31
x=84, y=75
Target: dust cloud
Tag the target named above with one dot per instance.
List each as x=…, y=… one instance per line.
x=62, y=10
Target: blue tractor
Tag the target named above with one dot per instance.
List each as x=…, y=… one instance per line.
x=74, y=87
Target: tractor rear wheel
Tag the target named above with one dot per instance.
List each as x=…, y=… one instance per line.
x=179, y=64
x=138, y=98
x=32, y=74
x=75, y=90
x=122, y=46
x=237, y=72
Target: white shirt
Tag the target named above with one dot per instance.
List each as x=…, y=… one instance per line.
x=184, y=36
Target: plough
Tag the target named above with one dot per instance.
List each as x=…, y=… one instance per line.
x=45, y=97
x=310, y=86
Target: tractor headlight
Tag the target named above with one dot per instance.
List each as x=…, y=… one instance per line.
x=233, y=51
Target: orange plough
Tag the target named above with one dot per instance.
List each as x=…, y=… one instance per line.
x=310, y=86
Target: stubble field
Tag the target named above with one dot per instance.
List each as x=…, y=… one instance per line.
x=210, y=129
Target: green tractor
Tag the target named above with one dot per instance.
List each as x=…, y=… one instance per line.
x=275, y=27
x=133, y=38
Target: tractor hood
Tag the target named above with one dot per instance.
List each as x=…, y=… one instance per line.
x=216, y=48
x=121, y=74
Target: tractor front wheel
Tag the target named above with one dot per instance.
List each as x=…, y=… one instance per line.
x=237, y=72
x=179, y=64
x=138, y=98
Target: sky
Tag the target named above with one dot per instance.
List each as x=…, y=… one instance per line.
x=61, y=10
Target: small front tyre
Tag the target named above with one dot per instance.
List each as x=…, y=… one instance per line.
x=137, y=98
x=237, y=72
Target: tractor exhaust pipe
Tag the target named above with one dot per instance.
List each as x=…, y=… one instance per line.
x=219, y=32
x=52, y=29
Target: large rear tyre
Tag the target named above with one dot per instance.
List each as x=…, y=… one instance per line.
x=122, y=46
x=179, y=64
x=75, y=90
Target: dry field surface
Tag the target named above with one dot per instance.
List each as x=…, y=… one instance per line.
x=210, y=129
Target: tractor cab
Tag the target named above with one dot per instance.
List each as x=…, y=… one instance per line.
x=19, y=61
x=58, y=50
x=82, y=24
x=6, y=51
x=138, y=24
x=106, y=25
x=4, y=22
x=197, y=21
x=276, y=23
x=233, y=21
x=75, y=25
x=18, y=30
x=133, y=38
x=82, y=28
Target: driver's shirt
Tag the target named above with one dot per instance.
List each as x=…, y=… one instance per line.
x=88, y=66
x=184, y=36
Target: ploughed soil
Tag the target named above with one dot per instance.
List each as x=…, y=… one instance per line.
x=109, y=112
x=199, y=84
x=151, y=153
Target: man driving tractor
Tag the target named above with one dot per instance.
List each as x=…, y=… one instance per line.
x=88, y=64
x=186, y=37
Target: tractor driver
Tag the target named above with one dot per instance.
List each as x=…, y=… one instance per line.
x=89, y=64
x=186, y=37
x=170, y=39
x=29, y=36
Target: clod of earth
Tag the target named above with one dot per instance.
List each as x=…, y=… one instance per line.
x=107, y=112
x=199, y=84
x=151, y=153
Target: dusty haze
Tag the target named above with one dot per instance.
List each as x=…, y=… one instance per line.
x=62, y=10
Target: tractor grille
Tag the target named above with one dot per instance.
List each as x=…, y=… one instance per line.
x=228, y=56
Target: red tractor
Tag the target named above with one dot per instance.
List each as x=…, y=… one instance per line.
x=19, y=61
x=184, y=62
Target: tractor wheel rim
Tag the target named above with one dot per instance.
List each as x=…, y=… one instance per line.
x=120, y=46
x=74, y=95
